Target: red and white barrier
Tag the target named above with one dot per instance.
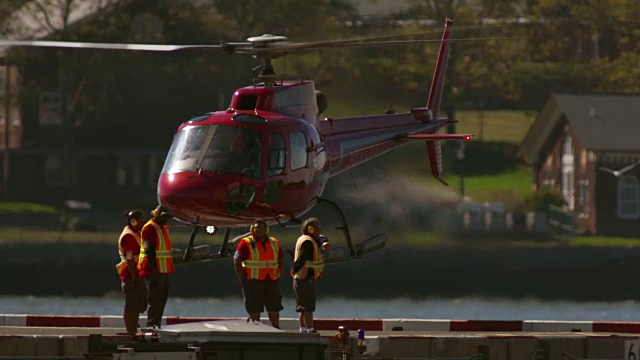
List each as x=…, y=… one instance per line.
x=425, y=325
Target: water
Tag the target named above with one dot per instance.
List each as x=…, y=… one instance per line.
x=463, y=308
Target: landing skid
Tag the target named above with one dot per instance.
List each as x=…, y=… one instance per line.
x=202, y=252
x=335, y=254
x=351, y=251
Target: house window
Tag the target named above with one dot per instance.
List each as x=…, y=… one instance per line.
x=128, y=171
x=583, y=195
x=276, y=155
x=15, y=116
x=50, y=106
x=54, y=171
x=568, y=171
x=628, y=197
x=298, y=150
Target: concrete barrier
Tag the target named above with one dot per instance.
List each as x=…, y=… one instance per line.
x=352, y=324
x=462, y=340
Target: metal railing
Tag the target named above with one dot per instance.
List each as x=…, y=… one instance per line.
x=561, y=220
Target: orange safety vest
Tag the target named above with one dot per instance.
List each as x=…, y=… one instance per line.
x=317, y=264
x=122, y=266
x=164, y=260
x=263, y=260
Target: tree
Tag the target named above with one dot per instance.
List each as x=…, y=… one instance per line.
x=240, y=19
x=587, y=29
x=7, y=9
x=474, y=68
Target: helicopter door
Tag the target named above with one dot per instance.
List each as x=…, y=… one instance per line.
x=275, y=167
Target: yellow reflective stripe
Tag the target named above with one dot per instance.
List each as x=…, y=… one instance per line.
x=276, y=255
x=260, y=264
x=314, y=264
x=252, y=264
x=162, y=267
x=275, y=248
x=162, y=243
x=255, y=264
x=254, y=249
x=163, y=255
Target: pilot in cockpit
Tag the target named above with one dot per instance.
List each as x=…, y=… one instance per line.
x=243, y=156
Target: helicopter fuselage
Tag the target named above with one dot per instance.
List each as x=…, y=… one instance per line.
x=261, y=158
x=269, y=157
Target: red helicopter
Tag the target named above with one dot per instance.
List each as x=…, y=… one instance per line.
x=270, y=154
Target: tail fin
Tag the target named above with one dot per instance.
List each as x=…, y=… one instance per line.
x=430, y=112
x=435, y=96
x=437, y=83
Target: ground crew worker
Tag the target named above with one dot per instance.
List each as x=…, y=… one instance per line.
x=156, y=263
x=308, y=267
x=258, y=264
x=132, y=287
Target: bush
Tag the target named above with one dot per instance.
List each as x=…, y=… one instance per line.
x=540, y=199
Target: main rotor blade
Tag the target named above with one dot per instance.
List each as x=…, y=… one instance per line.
x=265, y=49
x=359, y=43
x=108, y=46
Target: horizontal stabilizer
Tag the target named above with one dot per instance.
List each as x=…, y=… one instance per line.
x=465, y=137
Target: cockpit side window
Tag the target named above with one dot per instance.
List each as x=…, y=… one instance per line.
x=276, y=155
x=185, y=149
x=215, y=148
x=298, y=150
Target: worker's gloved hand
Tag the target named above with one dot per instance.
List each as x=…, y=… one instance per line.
x=324, y=241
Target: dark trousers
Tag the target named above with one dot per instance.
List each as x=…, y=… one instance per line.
x=157, y=295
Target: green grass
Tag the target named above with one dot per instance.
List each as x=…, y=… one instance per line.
x=25, y=207
x=495, y=125
x=601, y=241
x=507, y=186
x=179, y=236
x=32, y=236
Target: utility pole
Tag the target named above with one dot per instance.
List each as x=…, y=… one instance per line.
x=5, y=137
x=481, y=120
x=460, y=155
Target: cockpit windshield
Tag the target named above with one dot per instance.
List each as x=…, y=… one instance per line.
x=215, y=148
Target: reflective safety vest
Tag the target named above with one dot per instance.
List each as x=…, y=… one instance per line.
x=164, y=261
x=317, y=264
x=263, y=260
x=122, y=266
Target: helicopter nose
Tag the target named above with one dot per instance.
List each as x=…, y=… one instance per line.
x=205, y=198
